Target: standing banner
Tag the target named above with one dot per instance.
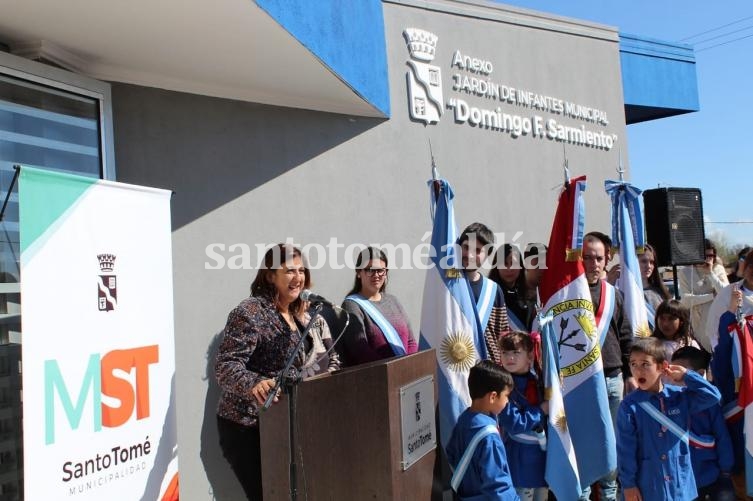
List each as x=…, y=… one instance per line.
x=98, y=339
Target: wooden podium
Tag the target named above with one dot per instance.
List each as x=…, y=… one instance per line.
x=349, y=441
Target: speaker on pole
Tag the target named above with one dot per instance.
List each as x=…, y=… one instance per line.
x=674, y=225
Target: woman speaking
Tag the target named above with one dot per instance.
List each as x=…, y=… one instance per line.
x=260, y=335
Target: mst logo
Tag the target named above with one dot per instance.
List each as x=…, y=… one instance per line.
x=107, y=291
x=120, y=375
x=424, y=79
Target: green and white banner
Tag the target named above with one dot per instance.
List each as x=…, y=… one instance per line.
x=98, y=339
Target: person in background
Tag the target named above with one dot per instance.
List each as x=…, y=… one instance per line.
x=673, y=326
x=654, y=290
x=379, y=326
x=507, y=271
x=260, y=335
x=699, y=284
x=710, y=444
x=736, y=298
x=534, y=263
x=737, y=266
x=475, y=450
x=618, y=337
x=475, y=243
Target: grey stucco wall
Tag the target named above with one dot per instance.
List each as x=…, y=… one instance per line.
x=248, y=173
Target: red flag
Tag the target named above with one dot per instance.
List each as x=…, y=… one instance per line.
x=563, y=265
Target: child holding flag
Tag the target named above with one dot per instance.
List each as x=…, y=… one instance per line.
x=524, y=418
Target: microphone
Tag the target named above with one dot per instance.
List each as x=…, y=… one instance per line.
x=307, y=295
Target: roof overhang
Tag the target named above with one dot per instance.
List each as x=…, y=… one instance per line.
x=231, y=49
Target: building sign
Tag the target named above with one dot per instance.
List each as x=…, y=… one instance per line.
x=482, y=101
x=98, y=339
x=418, y=429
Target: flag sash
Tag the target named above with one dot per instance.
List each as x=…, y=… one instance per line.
x=485, y=302
x=465, y=459
x=388, y=330
x=605, y=311
x=663, y=420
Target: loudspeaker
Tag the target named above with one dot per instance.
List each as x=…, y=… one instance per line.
x=674, y=225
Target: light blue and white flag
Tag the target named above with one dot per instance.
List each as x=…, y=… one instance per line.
x=627, y=234
x=449, y=322
x=561, y=466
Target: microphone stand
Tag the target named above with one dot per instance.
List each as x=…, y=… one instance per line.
x=289, y=378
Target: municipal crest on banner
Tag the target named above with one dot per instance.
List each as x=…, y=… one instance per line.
x=424, y=79
x=107, y=290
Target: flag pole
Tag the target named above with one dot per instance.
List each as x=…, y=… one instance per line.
x=565, y=166
x=620, y=168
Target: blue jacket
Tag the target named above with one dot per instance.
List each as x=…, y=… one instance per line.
x=656, y=460
x=724, y=379
x=488, y=475
x=709, y=463
x=527, y=460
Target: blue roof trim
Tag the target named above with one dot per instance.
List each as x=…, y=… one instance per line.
x=658, y=78
x=346, y=36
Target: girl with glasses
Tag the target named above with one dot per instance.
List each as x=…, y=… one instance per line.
x=379, y=327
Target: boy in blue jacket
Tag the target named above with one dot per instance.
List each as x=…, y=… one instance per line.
x=710, y=445
x=653, y=452
x=475, y=450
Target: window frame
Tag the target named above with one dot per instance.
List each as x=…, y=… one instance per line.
x=64, y=80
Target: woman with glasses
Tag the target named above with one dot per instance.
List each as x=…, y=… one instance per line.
x=379, y=327
x=699, y=284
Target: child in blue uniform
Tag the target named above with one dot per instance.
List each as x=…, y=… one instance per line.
x=710, y=445
x=523, y=420
x=653, y=455
x=475, y=451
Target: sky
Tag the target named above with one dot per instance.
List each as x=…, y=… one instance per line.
x=710, y=149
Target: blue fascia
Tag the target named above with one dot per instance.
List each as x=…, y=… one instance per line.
x=346, y=36
x=658, y=78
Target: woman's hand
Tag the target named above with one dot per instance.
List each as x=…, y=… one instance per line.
x=735, y=299
x=261, y=390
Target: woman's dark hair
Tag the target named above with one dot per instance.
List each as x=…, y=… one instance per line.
x=366, y=255
x=503, y=252
x=275, y=257
x=655, y=279
x=674, y=308
x=708, y=244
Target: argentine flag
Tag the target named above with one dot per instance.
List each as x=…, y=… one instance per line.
x=566, y=297
x=627, y=234
x=449, y=321
x=561, y=466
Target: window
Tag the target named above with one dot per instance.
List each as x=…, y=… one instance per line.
x=49, y=119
